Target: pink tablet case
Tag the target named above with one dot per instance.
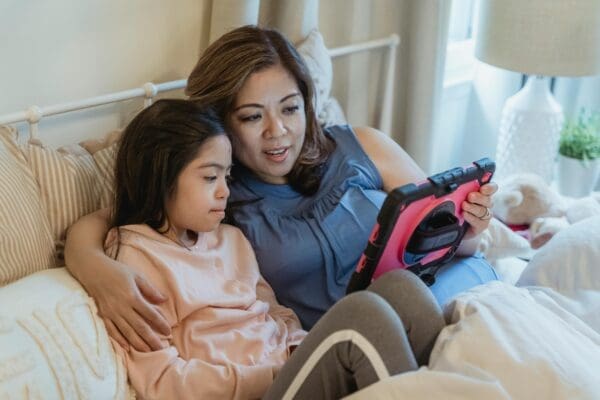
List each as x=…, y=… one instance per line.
x=420, y=226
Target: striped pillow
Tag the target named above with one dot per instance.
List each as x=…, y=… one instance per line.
x=69, y=183
x=25, y=240
x=104, y=153
x=105, y=161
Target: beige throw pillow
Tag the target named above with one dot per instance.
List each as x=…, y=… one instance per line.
x=25, y=240
x=104, y=153
x=69, y=184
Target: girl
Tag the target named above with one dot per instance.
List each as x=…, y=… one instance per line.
x=294, y=182
x=229, y=336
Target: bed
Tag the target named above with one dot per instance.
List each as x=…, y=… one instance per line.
x=533, y=334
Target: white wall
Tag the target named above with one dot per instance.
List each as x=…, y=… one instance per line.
x=53, y=51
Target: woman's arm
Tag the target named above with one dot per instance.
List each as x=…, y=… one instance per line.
x=397, y=168
x=168, y=374
x=394, y=164
x=125, y=299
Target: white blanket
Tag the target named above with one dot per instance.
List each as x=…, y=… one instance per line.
x=505, y=342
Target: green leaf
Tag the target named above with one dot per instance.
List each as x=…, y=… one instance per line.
x=580, y=137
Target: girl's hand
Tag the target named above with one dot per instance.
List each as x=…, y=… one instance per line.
x=127, y=304
x=477, y=209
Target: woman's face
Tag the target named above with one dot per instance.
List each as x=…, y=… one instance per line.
x=268, y=123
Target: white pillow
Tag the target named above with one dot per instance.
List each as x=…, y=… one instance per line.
x=503, y=342
x=317, y=59
x=569, y=261
x=499, y=241
x=53, y=344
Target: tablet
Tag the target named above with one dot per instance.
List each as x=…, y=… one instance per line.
x=420, y=225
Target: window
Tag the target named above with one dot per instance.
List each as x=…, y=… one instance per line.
x=460, y=61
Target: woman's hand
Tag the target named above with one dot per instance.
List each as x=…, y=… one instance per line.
x=128, y=305
x=477, y=209
x=126, y=301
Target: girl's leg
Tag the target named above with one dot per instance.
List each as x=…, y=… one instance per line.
x=359, y=341
x=460, y=274
x=417, y=307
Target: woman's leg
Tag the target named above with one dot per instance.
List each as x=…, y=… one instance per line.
x=359, y=341
x=460, y=274
x=417, y=307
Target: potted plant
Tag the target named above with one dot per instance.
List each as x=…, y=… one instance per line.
x=579, y=154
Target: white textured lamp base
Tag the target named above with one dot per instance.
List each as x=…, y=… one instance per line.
x=529, y=131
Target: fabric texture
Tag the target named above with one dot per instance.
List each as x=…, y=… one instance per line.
x=461, y=274
x=317, y=59
x=499, y=241
x=505, y=342
x=68, y=179
x=53, y=345
x=229, y=334
x=104, y=153
x=25, y=240
x=569, y=261
x=72, y=182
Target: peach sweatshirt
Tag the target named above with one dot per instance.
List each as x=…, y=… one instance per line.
x=229, y=335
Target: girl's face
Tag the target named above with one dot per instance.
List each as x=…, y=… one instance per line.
x=269, y=124
x=201, y=192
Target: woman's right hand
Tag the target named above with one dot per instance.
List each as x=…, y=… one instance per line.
x=126, y=301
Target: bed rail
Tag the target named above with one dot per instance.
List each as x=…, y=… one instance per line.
x=149, y=90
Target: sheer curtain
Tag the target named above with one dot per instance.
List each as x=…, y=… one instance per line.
x=422, y=26
x=575, y=94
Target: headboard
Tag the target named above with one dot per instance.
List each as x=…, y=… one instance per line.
x=148, y=91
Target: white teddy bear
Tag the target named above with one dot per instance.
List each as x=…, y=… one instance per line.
x=526, y=199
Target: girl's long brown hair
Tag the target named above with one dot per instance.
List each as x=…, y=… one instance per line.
x=225, y=66
x=155, y=147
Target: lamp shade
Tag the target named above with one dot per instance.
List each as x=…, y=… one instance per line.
x=540, y=37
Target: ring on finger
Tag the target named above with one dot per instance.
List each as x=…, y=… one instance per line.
x=486, y=215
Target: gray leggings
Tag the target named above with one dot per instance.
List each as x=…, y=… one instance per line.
x=364, y=337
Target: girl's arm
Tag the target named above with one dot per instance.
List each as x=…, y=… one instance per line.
x=126, y=300
x=397, y=168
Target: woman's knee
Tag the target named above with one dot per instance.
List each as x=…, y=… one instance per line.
x=361, y=310
x=401, y=285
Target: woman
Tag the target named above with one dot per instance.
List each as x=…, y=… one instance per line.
x=305, y=198
x=230, y=337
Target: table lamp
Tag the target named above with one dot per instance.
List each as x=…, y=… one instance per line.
x=539, y=38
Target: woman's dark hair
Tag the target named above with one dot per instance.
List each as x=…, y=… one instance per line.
x=155, y=147
x=225, y=66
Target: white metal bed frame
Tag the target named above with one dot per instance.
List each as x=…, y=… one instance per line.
x=149, y=90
